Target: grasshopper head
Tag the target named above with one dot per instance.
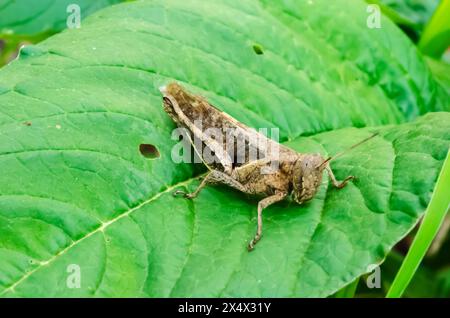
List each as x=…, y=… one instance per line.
x=307, y=176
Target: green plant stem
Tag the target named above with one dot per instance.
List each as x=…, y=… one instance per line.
x=436, y=37
x=434, y=216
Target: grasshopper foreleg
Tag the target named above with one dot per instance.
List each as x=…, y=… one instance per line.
x=264, y=203
x=338, y=184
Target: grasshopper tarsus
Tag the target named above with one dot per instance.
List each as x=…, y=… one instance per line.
x=180, y=194
x=183, y=194
x=344, y=183
x=252, y=243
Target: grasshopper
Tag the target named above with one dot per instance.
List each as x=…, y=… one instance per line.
x=297, y=175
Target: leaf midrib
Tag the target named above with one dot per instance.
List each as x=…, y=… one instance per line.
x=101, y=228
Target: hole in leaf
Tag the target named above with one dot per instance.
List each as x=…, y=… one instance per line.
x=258, y=49
x=149, y=151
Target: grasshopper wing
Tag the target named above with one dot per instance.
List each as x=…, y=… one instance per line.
x=230, y=143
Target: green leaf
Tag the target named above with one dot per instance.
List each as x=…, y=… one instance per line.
x=29, y=18
x=434, y=216
x=400, y=76
x=23, y=22
x=75, y=188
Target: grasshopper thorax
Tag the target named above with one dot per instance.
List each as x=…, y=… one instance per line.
x=307, y=176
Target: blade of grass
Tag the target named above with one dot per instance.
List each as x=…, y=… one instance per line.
x=434, y=216
x=436, y=37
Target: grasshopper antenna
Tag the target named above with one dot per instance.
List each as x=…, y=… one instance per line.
x=347, y=150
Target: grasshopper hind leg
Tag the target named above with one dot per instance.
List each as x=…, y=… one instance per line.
x=192, y=195
x=214, y=177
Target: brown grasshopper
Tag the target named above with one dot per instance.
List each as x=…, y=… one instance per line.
x=297, y=174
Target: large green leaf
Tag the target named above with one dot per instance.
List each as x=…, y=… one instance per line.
x=76, y=190
x=23, y=22
x=24, y=17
